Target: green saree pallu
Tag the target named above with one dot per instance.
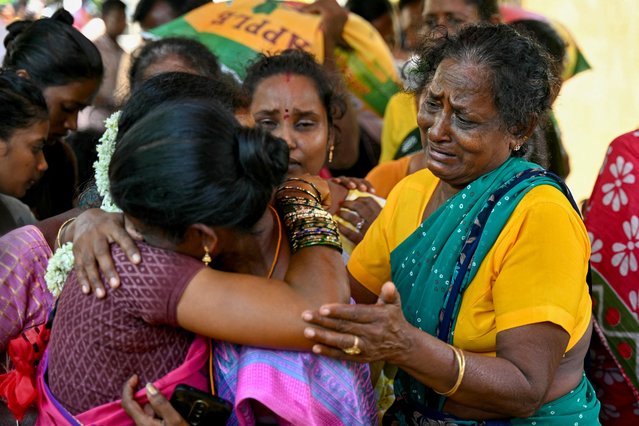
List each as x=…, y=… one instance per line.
x=436, y=263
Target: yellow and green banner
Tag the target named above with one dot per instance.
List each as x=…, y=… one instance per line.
x=237, y=31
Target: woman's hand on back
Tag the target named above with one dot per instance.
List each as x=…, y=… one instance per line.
x=93, y=232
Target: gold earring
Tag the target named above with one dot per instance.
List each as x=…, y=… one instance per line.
x=206, y=259
x=330, y=153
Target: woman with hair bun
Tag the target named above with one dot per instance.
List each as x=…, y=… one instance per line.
x=174, y=174
x=67, y=67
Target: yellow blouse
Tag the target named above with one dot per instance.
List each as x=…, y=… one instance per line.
x=535, y=272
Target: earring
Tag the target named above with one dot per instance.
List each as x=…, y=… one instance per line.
x=517, y=147
x=206, y=259
x=330, y=153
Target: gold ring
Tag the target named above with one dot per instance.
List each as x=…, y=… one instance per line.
x=353, y=350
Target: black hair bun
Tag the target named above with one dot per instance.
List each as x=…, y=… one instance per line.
x=63, y=15
x=14, y=29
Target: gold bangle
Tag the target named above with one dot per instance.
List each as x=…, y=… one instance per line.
x=461, y=364
x=319, y=194
x=298, y=188
x=64, y=224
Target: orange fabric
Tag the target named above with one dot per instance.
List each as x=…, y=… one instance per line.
x=385, y=176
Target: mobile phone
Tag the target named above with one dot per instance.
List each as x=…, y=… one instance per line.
x=200, y=408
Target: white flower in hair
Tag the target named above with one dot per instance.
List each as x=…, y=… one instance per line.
x=105, y=150
x=58, y=268
x=61, y=262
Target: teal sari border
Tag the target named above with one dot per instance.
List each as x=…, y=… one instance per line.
x=433, y=267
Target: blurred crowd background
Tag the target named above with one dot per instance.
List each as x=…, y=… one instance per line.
x=593, y=107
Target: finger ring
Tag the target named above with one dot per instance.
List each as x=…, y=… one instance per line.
x=359, y=224
x=353, y=350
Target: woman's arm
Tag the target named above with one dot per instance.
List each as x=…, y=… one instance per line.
x=512, y=384
x=261, y=312
x=50, y=227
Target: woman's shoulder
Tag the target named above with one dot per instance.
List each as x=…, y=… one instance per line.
x=15, y=214
x=547, y=209
x=628, y=141
x=546, y=195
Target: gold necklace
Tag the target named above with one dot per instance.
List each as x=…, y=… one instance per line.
x=279, y=242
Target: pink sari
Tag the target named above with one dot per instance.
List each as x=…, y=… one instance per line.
x=24, y=304
x=51, y=412
x=24, y=298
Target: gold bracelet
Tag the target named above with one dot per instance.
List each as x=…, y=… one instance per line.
x=461, y=364
x=64, y=224
x=298, y=188
x=319, y=194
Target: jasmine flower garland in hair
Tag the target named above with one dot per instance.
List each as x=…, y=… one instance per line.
x=58, y=268
x=105, y=150
x=61, y=262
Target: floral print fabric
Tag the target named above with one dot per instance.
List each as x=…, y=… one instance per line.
x=612, y=219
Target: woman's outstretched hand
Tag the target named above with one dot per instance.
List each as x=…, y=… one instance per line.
x=369, y=332
x=93, y=232
x=158, y=412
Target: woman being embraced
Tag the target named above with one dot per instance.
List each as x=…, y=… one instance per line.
x=485, y=250
x=175, y=173
x=291, y=96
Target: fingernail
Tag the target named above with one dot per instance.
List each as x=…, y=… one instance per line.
x=309, y=332
x=151, y=390
x=316, y=349
x=99, y=292
x=324, y=311
x=307, y=316
x=85, y=289
x=114, y=282
x=136, y=258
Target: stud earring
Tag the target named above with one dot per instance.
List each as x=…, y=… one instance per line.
x=517, y=147
x=206, y=259
x=331, y=149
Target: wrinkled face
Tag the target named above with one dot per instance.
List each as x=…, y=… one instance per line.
x=288, y=106
x=65, y=102
x=462, y=132
x=22, y=162
x=452, y=14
